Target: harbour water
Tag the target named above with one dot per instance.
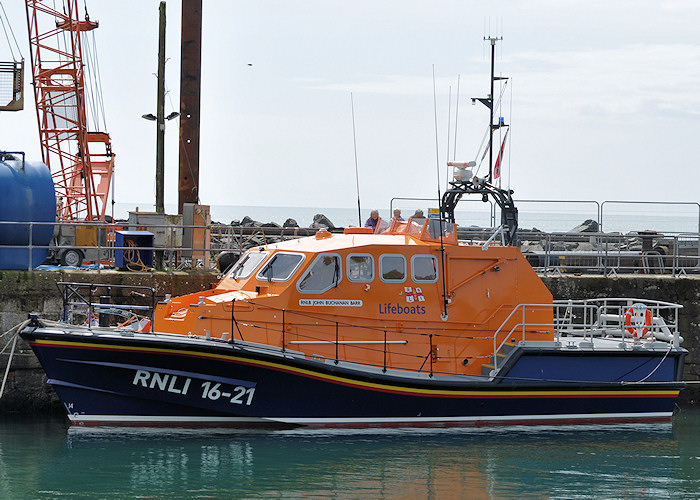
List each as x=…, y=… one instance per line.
x=44, y=458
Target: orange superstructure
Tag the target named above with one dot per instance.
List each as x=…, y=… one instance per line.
x=381, y=302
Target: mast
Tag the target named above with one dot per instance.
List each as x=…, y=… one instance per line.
x=467, y=183
x=491, y=106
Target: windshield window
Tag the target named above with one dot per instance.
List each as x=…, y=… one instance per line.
x=382, y=226
x=280, y=267
x=247, y=265
x=435, y=225
x=324, y=274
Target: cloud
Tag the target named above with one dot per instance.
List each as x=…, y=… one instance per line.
x=633, y=80
x=403, y=85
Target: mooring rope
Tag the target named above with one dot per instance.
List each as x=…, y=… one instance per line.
x=15, y=329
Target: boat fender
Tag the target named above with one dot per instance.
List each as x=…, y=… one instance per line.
x=638, y=317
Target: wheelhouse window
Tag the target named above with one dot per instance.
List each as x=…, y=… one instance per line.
x=436, y=227
x=424, y=268
x=360, y=268
x=247, y=264
x=280, y=267
x=392, y=268
x=324, y=273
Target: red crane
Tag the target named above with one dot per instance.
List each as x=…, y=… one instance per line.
x=81, y=161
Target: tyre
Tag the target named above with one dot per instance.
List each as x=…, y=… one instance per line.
x=72, y=257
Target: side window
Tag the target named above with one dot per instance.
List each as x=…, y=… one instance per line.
x=392, y=268
x=280, y=267
x=324, y=273
x=424, y=268
x=360, y=268
x=245, y=266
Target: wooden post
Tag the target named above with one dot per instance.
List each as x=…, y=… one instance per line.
x=190, y=90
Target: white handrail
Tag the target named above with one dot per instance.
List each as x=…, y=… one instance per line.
x=587, y=318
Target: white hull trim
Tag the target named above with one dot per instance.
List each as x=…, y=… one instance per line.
x=313, y=421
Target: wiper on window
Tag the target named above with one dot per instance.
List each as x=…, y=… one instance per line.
x=267, y=272
x=237, y=272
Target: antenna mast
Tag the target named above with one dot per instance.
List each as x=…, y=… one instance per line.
x=493, y=56
x=467, y=183
x=489, y=103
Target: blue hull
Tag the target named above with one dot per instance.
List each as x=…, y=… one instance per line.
x=151, y=379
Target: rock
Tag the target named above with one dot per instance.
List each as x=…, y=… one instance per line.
x=248, y=222
x=585, y=246
x=226, y=259
x=235, y=222
x=530, y=246
x=271, y=224
x=588, y=226
x=321, y=221
x=290, y=223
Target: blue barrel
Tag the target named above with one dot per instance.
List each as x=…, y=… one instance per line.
x=26, y=195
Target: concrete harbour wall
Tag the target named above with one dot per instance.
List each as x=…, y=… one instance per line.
x=22, y=292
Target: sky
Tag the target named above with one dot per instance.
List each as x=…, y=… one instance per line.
x=603, y=98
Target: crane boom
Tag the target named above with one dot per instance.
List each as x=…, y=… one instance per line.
x=81, y=162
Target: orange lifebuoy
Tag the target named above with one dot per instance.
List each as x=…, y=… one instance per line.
x=637, y=312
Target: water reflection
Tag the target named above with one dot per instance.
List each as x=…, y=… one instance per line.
x=45, y=459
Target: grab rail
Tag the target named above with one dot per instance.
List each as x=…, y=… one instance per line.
x=73, y=295
x=587, y=318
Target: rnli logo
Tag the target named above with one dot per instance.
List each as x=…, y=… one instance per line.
x=413, y=296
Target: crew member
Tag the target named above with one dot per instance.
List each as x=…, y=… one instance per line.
x=373, y=219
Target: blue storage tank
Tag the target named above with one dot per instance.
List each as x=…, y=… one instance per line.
x=26, y=195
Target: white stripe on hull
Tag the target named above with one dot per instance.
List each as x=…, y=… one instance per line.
x=314, y=421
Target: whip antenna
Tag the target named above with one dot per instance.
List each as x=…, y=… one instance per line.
x=357, y=175
x=437, y=145
x=443, y=316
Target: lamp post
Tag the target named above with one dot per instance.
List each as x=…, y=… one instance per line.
x=160, y=120
x=160, y=117
x=160, y=153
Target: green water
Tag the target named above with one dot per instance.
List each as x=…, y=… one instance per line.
x=44, y=458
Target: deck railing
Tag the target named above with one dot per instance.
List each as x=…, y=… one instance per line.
x=582, y=320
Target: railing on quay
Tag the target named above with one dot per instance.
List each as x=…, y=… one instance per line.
x=613, y=254
x=609, y=254
x=96, y=241
x=562, y=215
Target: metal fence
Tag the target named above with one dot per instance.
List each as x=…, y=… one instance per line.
x=607, y=254
x=613, y=254
x=97, y=242
x=565, y=215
